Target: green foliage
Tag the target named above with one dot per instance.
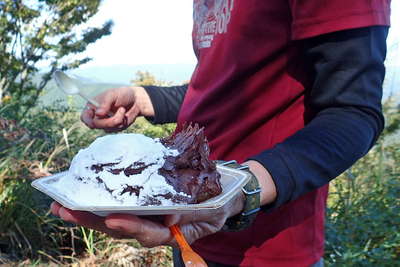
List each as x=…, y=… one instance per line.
x=146, y=78
x=43, y=143
x=363, y=222
x=41, y=32
x=144, y=127
x=392, y=116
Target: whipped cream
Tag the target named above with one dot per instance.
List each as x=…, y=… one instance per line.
x=119, y=169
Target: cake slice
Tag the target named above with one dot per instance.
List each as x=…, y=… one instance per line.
x=191, y=171
x=133, y=169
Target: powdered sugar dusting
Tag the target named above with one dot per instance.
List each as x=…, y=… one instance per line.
x=119, y=169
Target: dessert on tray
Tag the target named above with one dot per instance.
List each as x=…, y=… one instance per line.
x=133, y=169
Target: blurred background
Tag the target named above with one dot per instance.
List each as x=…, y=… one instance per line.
x=107, y=44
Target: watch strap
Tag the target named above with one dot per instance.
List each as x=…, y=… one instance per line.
x=251, y=192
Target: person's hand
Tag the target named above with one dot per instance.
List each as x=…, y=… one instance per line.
x=119, y=107
x=151, y=232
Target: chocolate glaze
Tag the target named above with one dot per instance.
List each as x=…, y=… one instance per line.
x=132, y=190
x=100, y=167
x=136, y=168
x=133, y=169
x=191, y=172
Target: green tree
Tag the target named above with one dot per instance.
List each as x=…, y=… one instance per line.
x=146, y=78
x=41, y=33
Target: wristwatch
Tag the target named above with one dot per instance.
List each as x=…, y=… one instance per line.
x=251, y=191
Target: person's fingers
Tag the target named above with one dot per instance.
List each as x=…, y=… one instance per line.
x=54, y=208
x=87, y=219
x=67, y=215
x=106, y=101
x=80, y=217
x=194, y=231
x=84, y=219
x=132, y=114
x=148, y=233
x=211, y=216
x=172, y=219
x=119, y=127
x=110, y=122
x=87, y=116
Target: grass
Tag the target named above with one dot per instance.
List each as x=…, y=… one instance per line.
x=362, y=226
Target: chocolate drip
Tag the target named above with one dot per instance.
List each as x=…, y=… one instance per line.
x=132, y=190
x=136, y=168
x=116, y=171
x=100, y=181
x=191, y=172
x=100, y=167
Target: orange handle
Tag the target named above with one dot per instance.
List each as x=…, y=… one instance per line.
x=189, y=257
x=183, y=244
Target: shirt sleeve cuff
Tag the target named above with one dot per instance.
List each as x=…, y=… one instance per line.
x=157, y=99
x=276, y=165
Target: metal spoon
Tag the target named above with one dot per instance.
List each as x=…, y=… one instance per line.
x=70, y=86
x=190, y=258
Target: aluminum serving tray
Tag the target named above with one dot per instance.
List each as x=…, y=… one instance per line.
x=232, y=180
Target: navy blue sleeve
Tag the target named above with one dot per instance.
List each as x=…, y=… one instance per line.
x=166, y=102
x=348, y=70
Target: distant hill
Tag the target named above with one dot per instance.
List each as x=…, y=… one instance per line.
x=175, y=73
x=53, y=95
x=97, y=79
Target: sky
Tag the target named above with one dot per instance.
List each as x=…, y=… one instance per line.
x=159, y=32
x=144, y=32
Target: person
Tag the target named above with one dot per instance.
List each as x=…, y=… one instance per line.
x=290, y=88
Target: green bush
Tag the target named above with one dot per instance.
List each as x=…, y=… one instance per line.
x=363, y=222
x=41, y=144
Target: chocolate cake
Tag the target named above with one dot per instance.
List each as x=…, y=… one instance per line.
x=132, y=169
x=191, y=171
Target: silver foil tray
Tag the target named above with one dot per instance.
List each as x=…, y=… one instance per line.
x=232, y=181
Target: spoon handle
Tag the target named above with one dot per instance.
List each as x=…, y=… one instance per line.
x=183, y=244
x=94, y=103
x=189, y=257
x=89, y=99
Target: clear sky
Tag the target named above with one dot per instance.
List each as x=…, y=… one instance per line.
x=159, y=32
x=145, y=32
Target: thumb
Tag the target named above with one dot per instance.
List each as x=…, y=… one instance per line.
x=172, y=219
x=105, y=104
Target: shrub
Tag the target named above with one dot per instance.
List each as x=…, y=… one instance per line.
x=363, y=222
x=41, y=144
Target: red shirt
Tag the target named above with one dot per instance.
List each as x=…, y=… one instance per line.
x=248, y=90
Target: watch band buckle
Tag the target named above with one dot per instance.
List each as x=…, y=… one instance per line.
x=250, y=212
x=252, y=192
